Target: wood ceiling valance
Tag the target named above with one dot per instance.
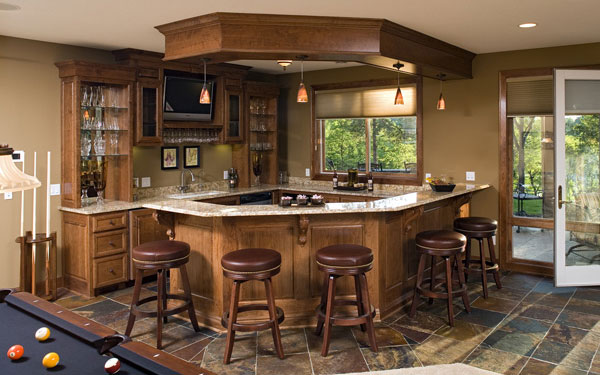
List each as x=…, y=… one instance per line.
x=226, y=37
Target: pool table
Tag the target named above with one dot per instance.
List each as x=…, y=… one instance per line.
x=77, y=340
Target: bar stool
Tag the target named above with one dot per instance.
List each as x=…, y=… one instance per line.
x=448, y=245
x=480, y=228
x=161, y=256
x=241, y=266
x=345, y=260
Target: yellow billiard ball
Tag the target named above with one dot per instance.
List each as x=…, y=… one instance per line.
x=42, y=334
x=50, y=360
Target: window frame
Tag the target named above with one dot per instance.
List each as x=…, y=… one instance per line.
x=378, y=177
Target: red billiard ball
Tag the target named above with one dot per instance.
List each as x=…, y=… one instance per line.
x=112, y=366
x=15, y=352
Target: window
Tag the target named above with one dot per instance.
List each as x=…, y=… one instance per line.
x=358, y=126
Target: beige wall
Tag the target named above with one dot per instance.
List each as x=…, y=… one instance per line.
x=462, y=138
x=214, y=159
x=30, y=121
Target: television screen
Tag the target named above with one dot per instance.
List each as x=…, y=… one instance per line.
x=181, y=99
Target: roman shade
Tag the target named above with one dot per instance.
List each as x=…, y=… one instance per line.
x=365, y=102
x=530, y=96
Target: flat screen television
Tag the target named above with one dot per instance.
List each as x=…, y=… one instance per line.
x=180, y=99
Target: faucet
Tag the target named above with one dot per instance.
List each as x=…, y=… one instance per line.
x=184, y=187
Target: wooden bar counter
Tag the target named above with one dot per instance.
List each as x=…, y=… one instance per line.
x=387, y=226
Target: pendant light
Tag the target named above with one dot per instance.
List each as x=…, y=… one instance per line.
x=12, y=178
x=284, y=63
x=204, y=94
x=302, y=94
x=399, y=98
x=441, y=104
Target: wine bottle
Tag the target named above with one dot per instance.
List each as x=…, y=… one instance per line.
x=335, y=179
x=370, y=182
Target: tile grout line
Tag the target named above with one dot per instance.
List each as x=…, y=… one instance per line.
x=360, y=349
x=312, y=369
x=546, y=334
x=593, y=358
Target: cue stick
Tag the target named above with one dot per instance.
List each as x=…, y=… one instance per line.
x=23, y=199
x=34, y=227
x=48, y=227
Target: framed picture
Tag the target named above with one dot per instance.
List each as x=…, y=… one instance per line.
x=169, y=158
x=191, y=156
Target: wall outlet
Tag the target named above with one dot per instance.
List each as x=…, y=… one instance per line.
x=145, y=182
x=307, y=172
x=54, y=189
x=225, y=175
x=8, y=195
x=470, y=176
x=136, y=182
x=17, y=156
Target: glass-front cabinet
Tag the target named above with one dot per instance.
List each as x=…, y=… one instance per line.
x=148, y=123
x=234, y=131
x=96, y=133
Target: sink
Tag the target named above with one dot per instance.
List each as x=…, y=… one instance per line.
x=195, y=195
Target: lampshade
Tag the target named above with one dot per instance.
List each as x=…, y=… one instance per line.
x=204, y=95
x=12, y=178
x=441, y=104
x=302, y=94
x=399, y=98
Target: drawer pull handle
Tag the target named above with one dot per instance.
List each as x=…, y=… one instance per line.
x=111, y=222
x=111, y=244
x=111, y=270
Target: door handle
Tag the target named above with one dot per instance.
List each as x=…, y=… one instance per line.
x=560, y=201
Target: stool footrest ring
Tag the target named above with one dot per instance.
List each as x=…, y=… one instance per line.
x=490, y=266
x=345, y=320
x=251, y=327
x=150, y=314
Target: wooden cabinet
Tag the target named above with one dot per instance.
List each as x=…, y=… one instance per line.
x=95, y=251
x=148, y=121
x=228, y=201
x=234, y=110
x=144, y=228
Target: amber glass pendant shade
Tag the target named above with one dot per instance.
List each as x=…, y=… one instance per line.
x=399, y=98
x=302, y=94
x=441, y=104
x=204, y=95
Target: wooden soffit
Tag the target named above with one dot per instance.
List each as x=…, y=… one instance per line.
x=223, y=37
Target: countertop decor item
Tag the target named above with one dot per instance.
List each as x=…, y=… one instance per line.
x=355, y=187
x=302, y=199
x=316, y=199
x=442, y=187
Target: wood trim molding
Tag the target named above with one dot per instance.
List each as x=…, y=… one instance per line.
x=166, y=219
x=303, y=222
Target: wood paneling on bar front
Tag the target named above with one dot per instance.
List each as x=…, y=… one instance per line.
x=391, y=236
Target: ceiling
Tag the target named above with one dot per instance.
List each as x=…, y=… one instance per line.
x=478, y=26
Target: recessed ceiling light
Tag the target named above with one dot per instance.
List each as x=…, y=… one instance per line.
x=7, y=6
x=528, y=25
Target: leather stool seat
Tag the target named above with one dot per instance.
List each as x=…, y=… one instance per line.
x=476, y=224
x=160, y=251
x=344, y=255
x=251, y=260
x=440, y=240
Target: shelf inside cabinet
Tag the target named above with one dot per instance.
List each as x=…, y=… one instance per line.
x=87, y=157
x=189, y=124
x=104, y=107
x=102, y=130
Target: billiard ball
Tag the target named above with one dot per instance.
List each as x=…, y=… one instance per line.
x=50, y=360
x=42, y=334
x=112, y=366
x=15, y=352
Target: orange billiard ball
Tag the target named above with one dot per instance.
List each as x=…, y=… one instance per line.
x=50, y=360
x=15, y=352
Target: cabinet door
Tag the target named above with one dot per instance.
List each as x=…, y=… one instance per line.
x=234, y=129
x=143, y=228
x=149, y=113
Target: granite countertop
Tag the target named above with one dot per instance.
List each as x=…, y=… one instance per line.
x=186, y=203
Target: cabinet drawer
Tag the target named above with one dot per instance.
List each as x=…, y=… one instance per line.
x=109, y=243
x=110, y=270
x=115, y=220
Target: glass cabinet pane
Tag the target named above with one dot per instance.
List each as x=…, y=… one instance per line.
x=234, y=116
x=149, y=120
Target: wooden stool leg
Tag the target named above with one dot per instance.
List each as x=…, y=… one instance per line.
x=188, y=294
x=273, y=317
x=359, y=300
x=467, y=259
x=159, y=305
x=483, y=266
x=367, y=308
x=320, y=320
x=165, y=291
x=328, y=313
x=493, y=259
x=432, y=273
x=462, y=282
x=449, y=288
x=233, y=309
x=421, y=270
x=139, y=275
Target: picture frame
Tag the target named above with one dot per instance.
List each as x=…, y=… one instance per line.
x=169, y=157
x=191, y=156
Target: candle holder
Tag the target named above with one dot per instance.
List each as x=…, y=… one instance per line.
x=27, y=282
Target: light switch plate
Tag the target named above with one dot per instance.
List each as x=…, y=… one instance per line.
x=470, y=176
x=8, y=196
x=54, y=189
x=307, y=172
x=225, y=175
x=145, y=182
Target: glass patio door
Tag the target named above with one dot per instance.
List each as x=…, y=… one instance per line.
x=577, y=177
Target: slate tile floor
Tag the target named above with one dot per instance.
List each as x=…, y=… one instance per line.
x=528, y=327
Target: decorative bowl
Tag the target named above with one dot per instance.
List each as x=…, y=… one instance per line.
x=446, y=188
